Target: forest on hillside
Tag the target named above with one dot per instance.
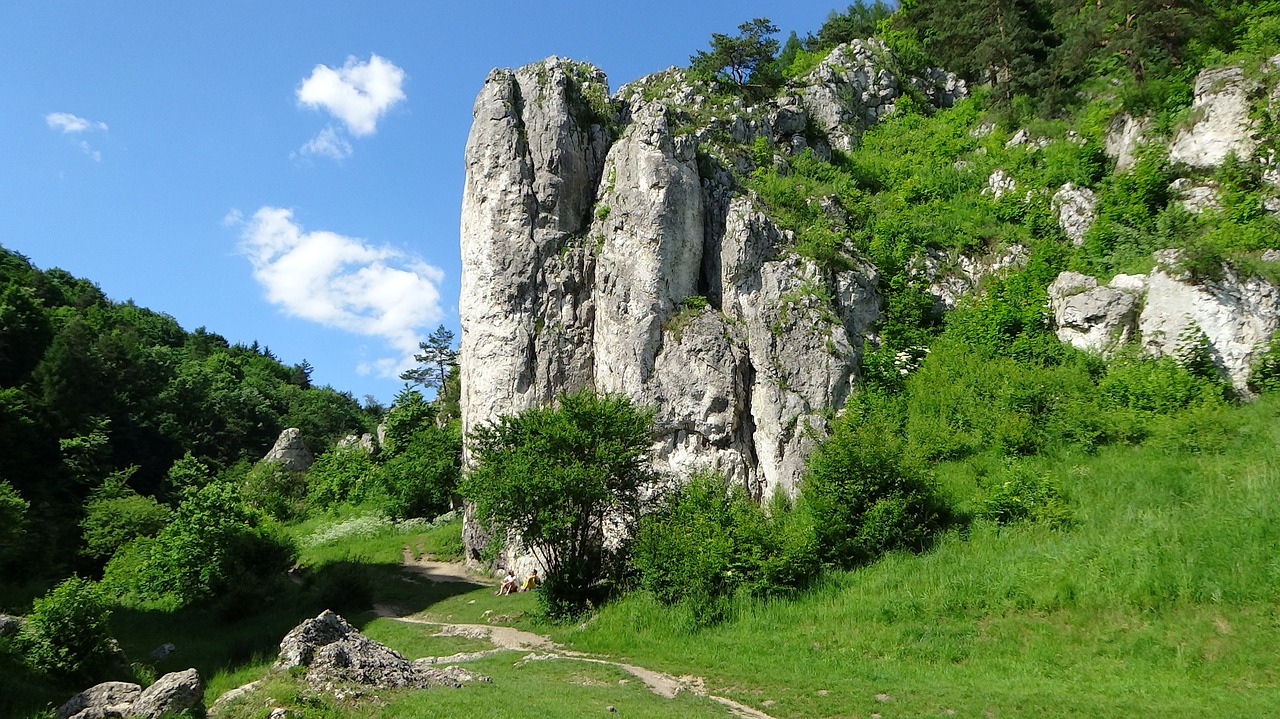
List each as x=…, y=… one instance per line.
x=99, y=394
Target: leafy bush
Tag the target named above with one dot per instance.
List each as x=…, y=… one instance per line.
x=708, y=540
x=215, y=542
x=279, y=492
x=556, y=477
x=1022, y=495
x=13, y=513
x=421, y=479
x=67, y=630
x=1155, y=386
x=865, y=495
x=1264, y=376
x=111, y=523
x=340, y=475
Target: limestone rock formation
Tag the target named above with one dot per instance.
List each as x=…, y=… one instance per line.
x=1076, y=211
x=854, y=87
x=9, y=625
x=951, y=275
x=606, y=244
x=170, y=694
x=1091, y=316
x=1124, y=137
x=365, y=442
x=1238, y=315
x=1195, y=196
x=334, y=652
x=1221, y=123
x=999, y=183
x=108, y=699
x=290, y=451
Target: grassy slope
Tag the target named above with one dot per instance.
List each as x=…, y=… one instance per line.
x=1161, y=600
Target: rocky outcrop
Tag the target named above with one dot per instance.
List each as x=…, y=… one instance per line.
x=9, y=625
x=534, y=159
x=290, y=451
x=1237, y=315
x=108, y=699
x=952, y=275
x=1220, y=122
x=1124, y=137
x=854, y=87
x=170, y=694
x=364, y=442
x=606, y=244
x=1195, y=196
x=999, y=183
x=331, y=652
x=1076, y=209
x=1094, y=317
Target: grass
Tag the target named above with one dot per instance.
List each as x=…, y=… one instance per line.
x=1160, y=600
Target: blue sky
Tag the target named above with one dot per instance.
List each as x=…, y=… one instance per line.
x=288, y=172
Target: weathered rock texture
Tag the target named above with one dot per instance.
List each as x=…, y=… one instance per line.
x=1124, y=137
x=290, y=451
x=1238, y=315
x=1220, y=120
x=334, y=653
x=606, y=245
x=1076, y=211
x=172, y=693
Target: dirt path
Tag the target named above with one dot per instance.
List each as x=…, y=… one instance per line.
x=543, y=648
x=441, y=571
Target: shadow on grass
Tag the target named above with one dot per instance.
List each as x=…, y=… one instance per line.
x=244, y=626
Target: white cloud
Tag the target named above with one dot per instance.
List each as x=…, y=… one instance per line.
x=358, y=93
x=346, y=283
x=69, y=123
x=329, y=144
x=87, y=149
x=73, y=125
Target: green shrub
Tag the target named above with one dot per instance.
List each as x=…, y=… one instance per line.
x=709, y=540
x=1264, y=376
x=420, y=480
x=13, y=514
x=215, y=542
x=554, y=476
x=1155, y=386
x=865, y=495
x=67, y=630
x=111, y=523
x=279, y=492
x=1019, y=494
x=343, y=474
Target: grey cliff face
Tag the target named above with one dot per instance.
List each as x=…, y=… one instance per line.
x=607, y=245
x=534, y=158
x=290, y=451
x=1237, y=314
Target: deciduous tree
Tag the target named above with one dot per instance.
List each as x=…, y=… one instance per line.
x=556, y=478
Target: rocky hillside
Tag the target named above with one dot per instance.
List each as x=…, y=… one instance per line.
x=610, y=241
x=607, y=243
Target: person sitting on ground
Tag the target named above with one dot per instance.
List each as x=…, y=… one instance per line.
x=508, y=584
x=531, y=582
